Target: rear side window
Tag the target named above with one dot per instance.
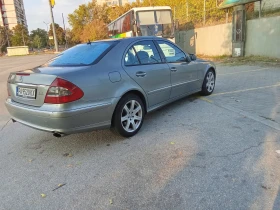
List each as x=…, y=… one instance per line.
x=80, y=55
x=131, y=58
x=144, y=52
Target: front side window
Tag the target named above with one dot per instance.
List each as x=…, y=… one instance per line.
x=80, y=55
x=171, y=52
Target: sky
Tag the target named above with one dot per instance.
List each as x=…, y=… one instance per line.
x=38, y=11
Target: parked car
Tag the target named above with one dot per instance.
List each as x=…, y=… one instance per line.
x=109, y=83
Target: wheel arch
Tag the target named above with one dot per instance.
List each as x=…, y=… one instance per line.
x=213, y=69
x=135, y=92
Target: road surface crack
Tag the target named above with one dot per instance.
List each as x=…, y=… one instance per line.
x=244, y=150
x=261, y=119
x=5, y=125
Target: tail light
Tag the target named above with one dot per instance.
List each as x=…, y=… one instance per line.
x=22, y=74
x=62, y=91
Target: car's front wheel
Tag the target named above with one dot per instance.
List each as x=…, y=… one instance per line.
x=129, y=115
x=208, y=83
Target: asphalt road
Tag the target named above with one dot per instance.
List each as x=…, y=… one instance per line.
x=216, y=152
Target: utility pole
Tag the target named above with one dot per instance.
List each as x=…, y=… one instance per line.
x=66, y=45
x=53, y=27
x=227, y=15
x=260, y=11
x=47, y=25
x=22, y=37
x=187, y=8
x=47, y=38
x=174, y=13
x=7, y=34
x=204, y=18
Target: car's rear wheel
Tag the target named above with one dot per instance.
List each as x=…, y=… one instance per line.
x=208, y=83
x=129, y=115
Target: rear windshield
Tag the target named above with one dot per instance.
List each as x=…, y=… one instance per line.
x=81, y=55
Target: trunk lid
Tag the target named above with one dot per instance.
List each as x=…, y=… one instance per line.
x=37, y=81
x=27, y=87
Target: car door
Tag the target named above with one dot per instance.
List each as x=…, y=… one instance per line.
x=144, y=65
x=184, y=74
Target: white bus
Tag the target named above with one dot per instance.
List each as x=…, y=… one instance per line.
x=144, y=21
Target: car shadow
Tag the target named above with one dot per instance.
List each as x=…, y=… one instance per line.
x=101, y=138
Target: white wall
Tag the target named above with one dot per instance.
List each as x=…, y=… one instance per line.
x=19, y=50
x=212, y=41
x=263, y=37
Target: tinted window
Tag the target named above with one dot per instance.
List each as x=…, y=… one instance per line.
x=131, y=58
x=117, y=27
x=146, y=52
x=83, y=54
x=171, y=52
x=110, y=30
x=121, y=24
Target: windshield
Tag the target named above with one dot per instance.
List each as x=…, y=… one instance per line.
x=155, y=23
x=80, y=55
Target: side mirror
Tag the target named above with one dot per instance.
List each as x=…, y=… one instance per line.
x=193, y=57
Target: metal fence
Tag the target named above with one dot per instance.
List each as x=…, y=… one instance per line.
x=268, y=9
x=214, y=16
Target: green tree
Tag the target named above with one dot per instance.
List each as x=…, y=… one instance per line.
x=84, y=15
x=90, y=13
x=116, y=11
x=4, y=33
x=37, y=41
x=59, y=34
x=191, y=10
x=70, y=35
x=190, y=13
x=20, y=36
x=95, y=30
x=42, y=34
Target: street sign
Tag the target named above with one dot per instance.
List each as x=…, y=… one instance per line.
x=52, y=3
x=222, y=4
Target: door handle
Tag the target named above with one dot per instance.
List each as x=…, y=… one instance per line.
x=173, y=69
x=141, y=74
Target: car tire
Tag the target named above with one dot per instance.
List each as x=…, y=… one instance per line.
x=209, y=82
x=128, y=116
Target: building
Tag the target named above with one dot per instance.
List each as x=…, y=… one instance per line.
x=112, y=2
x=12, y=13
x=267, y=5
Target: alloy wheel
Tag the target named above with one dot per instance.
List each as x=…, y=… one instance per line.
x=131, y=116
x=210, y=84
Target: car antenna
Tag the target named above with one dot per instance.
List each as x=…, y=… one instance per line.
x=89, y=42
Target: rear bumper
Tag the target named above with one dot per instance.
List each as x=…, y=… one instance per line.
x=95, y=116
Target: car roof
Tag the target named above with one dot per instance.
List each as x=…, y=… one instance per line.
x=141, y=37
x=127, y=39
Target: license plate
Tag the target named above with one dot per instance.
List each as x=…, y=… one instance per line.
x=26, y=92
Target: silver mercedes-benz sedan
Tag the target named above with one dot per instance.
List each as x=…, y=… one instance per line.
x=109, y=83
